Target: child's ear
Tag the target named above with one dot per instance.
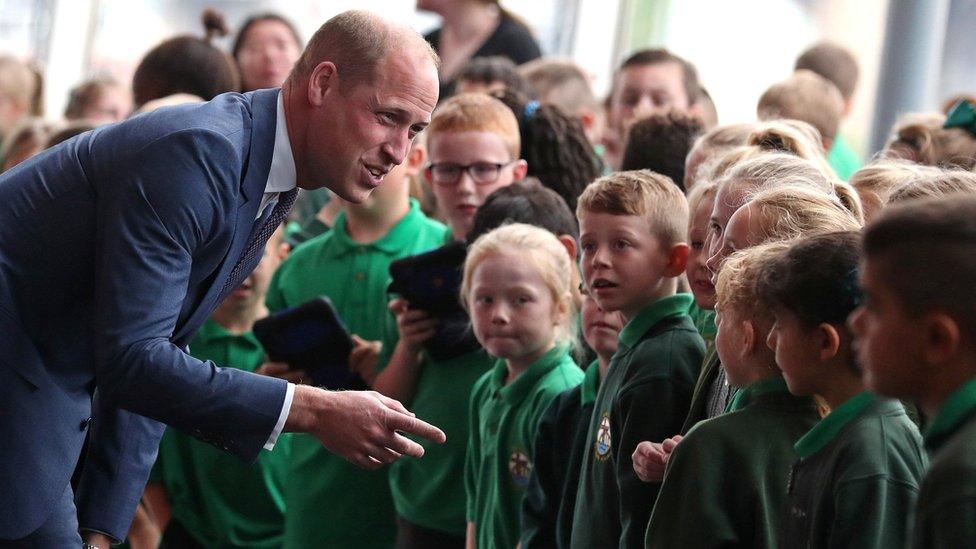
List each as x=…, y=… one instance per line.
x=830, y=341
x=940, y=337
x=520, y=170
x=415, y=159
x=749, y=339
x=677, y=260
x=569, y=243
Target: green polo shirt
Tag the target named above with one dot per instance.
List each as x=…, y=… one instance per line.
x=857, y=477
x=842, y=158
x=220, y=500
x=504, y=420
x=946, y=512
x=332, y=503
x=547, y=509
x=644, y=396
x=726, y=482
x=704, y=320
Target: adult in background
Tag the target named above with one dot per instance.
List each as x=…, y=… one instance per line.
x=476, y=28
x=116, y=245
x=266, y=48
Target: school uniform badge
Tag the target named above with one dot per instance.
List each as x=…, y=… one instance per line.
x=520, y=467
x=604, y=445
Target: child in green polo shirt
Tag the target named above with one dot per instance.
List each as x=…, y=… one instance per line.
x=633, y=229
x=726, y=480
x=915, y=337
x=859, y=469
x=199, y=495
x=550, y=499
x=517, y=286
x=332, y=503
x=473, y=143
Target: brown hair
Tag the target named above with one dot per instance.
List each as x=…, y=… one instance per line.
x=83, y=95
x=804, y=96
x=833, y=62
x=736, y=288
x=187, y=64
x=642, y=193
x=656, y=56
x=260, y=18
x=875, y=182
x=660, y=143
x=560, y=82
x=791, y=136
x=920, y=137
x=475, y=112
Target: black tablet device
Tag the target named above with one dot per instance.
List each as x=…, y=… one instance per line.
x=431, y=281
x=311, y=337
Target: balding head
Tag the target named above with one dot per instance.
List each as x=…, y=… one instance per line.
x=356, y=42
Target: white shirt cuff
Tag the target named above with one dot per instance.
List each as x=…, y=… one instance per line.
x=282, y=418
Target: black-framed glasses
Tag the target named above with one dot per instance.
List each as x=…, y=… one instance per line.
x=482, y=173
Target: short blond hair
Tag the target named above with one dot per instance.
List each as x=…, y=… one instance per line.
x=476, y=112
x=642, y=193
x=560, y=82
x=794, y=137
x=805, y=96
x=544, y=252
x=937, y=184
x=793, y=211
x=920, y=137
x=737, y=289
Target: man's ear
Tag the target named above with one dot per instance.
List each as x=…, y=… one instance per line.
x=940, y=338
x=677, y=260
x=830, y=341
x=569, y=243
x=324, y=78
x=520, y=170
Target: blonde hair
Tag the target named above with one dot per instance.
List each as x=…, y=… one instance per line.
x=17, y=81
x=793, y=211
x=476, y=112
x=920, y=137
x=875, y=182
x=542, y=250
x=794, y=137
x=710, y=146
x=805, y=96
x=737, y=288
x=560, y=82
x=933, y=185
x=698, y=194
x=642, y=193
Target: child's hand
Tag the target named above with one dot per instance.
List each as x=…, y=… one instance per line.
x=281, y=371
x=362, y=358
x=650, y=461
x=414, y=325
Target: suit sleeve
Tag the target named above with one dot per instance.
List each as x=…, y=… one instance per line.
x=158, y=209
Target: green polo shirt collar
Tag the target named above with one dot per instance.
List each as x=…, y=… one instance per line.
x=652, y=314
x=960, y=405
x=829, y=427
x=746, y=395
x=591, y=383
x=395, y=240
x=211, y=332
x=516, y=391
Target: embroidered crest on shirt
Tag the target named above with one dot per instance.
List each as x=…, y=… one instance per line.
x=520, y=466
x=603, y=443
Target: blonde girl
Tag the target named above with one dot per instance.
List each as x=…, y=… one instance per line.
x=517, y=288
x=934, y=139
x=875, y=182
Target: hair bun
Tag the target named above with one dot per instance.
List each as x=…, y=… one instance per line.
x=214, y=24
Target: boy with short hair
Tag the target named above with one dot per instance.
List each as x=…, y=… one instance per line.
x=648, y=82
x=473, y=144
x=837, y=64
x=490, y=74
x=199, y=495
x=563, y=83
x=632, y=233
x=332, y=503
x=916, y=340
x=808, y=97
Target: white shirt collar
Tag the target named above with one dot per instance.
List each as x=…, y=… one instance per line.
x=282, y=176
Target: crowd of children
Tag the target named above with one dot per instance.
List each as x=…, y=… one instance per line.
x=681, y=334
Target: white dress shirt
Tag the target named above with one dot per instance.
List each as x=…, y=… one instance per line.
x=281, y=178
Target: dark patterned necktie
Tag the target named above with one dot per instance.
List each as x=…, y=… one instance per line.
x=255, y=246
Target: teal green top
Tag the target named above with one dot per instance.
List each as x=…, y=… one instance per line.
x=504, y=421
x=704, y=320
x=747, y=394
x=946, y=510
x=220, y=500
x=591, y=383
x=645, y=395
x=826, y=430
x=842, y=158
x=332, y=503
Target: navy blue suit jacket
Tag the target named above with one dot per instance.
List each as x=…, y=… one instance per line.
x=114, y=248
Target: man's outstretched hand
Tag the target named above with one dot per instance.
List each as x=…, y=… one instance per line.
x=360, y=426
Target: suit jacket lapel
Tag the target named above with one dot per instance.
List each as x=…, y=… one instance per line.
x=255, y=178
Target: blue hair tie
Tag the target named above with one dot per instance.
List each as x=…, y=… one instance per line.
x=530, y=108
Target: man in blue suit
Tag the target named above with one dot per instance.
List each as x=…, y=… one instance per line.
x=115, y=247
